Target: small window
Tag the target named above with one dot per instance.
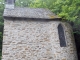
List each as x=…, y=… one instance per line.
x=61, y=36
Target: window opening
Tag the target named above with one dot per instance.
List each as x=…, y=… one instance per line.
x=61, y=36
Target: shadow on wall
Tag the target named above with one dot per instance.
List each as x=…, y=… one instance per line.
x=77, y=40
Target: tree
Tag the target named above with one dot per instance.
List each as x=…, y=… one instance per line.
x=1, y=24
x=67, y=9
x=23, y=3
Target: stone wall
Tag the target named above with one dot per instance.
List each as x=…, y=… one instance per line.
x=36, y=40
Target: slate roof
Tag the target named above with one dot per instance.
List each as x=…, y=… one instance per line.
x=29, y=13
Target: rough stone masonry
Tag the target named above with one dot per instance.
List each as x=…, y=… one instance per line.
x=36, y=34
x=33, y=34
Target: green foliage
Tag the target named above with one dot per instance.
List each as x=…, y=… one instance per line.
x=1, y=18
x=67, y=9
x=1, y=24
x=24, y=3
